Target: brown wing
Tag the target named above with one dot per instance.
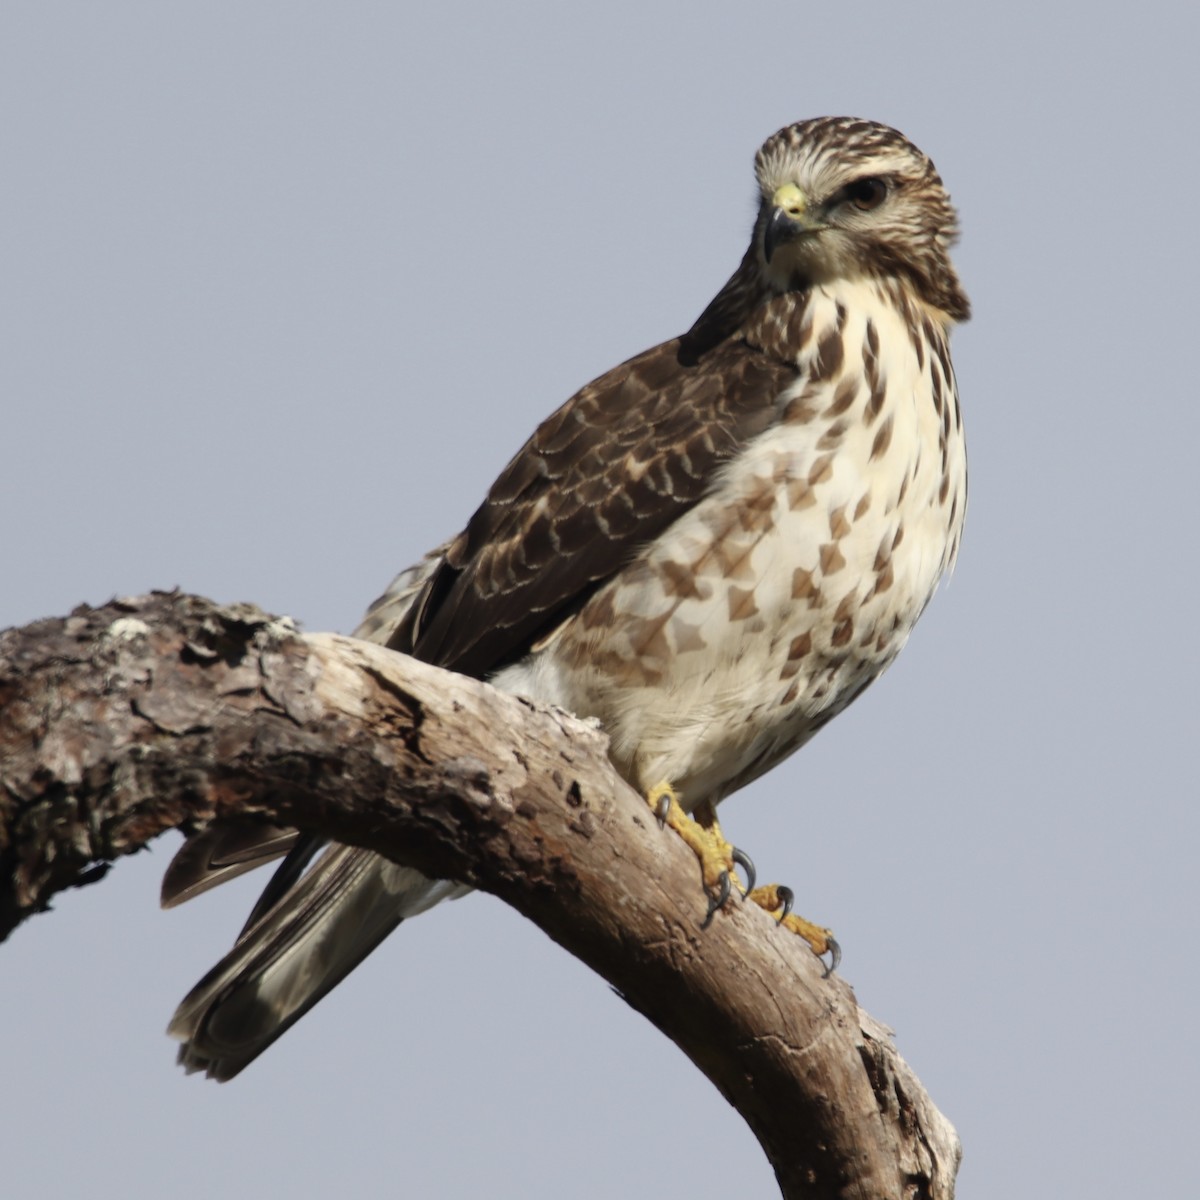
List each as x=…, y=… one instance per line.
x=607, y=473
x=603, y=476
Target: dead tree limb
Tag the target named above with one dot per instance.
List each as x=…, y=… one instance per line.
x=121, y=722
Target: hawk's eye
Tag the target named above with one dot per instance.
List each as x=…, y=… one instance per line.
x=866, y=194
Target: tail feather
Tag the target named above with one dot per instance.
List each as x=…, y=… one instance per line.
x=221, y=852
x=307, y=931
x=296, y=952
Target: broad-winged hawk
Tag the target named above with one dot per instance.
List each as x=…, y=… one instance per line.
x=713, y=549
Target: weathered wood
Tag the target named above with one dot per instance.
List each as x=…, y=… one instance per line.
x=148, y=714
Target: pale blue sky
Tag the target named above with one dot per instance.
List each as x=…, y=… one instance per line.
x=282, y=288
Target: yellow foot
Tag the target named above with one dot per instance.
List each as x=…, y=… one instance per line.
x=717, y=857
x=776, y=899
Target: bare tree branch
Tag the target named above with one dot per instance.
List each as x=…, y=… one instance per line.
x=148, y=714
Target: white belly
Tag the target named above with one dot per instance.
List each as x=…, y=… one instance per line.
x=765, y=610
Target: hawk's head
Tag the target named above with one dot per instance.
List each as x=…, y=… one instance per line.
x=844, y=198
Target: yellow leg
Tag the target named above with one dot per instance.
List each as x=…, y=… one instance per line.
x=703, y=834
x=717, y=856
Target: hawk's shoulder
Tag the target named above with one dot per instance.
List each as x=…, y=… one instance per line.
x=599, y=479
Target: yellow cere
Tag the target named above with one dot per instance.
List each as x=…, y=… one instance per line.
x=791, y=199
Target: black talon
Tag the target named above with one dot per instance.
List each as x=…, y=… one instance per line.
x=723, y=889
x=835, y=957
x=744, y=861
x=661, y=809
x=833, y=949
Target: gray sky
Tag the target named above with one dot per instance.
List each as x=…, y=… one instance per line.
x=283, y=286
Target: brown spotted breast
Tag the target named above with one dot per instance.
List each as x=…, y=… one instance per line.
x=770, y=604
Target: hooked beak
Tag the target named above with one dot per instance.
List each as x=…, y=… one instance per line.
x=788, y=219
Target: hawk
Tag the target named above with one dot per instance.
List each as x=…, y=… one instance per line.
x=712, y=549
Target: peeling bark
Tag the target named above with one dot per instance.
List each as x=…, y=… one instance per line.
x=148, y=714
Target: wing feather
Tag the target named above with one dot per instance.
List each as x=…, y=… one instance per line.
x=605, y=475
x=602, y=477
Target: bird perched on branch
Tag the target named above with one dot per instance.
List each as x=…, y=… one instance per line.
x=712, y=549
